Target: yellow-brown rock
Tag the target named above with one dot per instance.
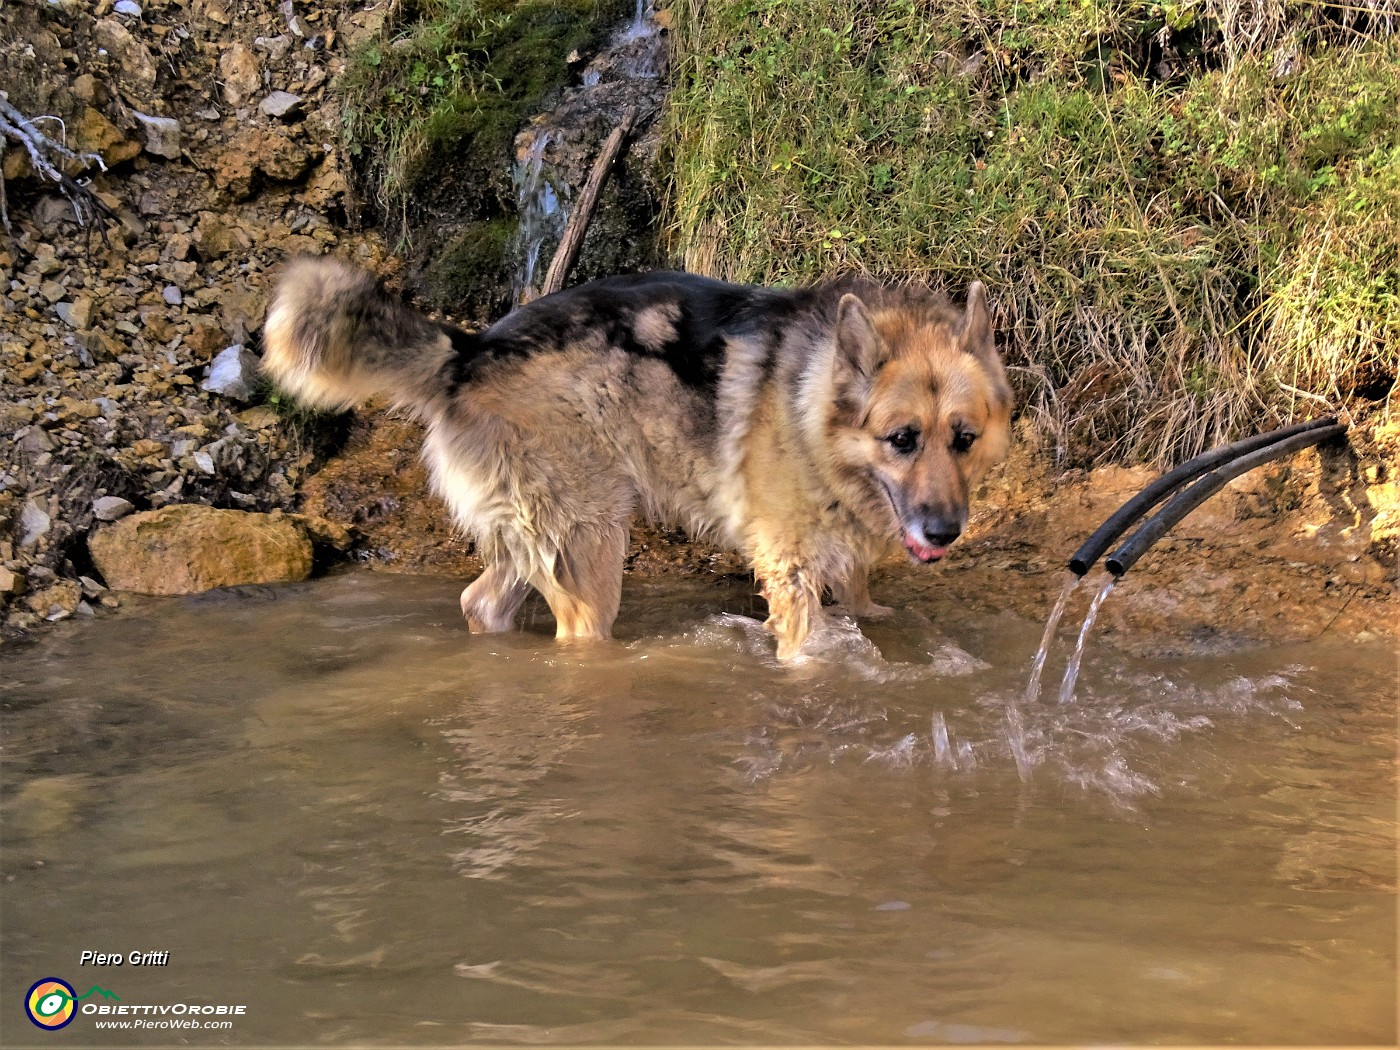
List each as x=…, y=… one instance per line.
x=186, y=548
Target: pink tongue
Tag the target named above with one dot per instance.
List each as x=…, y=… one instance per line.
x=924, y=551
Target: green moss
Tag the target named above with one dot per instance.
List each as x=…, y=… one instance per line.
x=1154, y=221
x=468, y=267
x=432, y=106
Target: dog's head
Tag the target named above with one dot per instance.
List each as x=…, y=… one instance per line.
x=919, y=409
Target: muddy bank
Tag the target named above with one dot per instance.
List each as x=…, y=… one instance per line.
x=1285, y=553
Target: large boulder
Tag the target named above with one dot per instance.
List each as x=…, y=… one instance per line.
x=186, y=548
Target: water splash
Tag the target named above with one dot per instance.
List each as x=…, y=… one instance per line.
x=1038, y=666
x=942, y=749
x=1016, y=740
x=1072, y=671
x=1015, y=726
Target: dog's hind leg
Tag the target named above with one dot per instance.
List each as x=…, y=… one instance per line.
x=585, y=587
x=491, y=601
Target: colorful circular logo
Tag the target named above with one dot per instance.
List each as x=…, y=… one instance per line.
x=50, y=1003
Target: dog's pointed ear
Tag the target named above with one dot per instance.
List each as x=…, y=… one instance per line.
x=859, y=347
x=975, y=329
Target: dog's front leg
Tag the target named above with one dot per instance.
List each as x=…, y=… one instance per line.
x=794, y=600
x=852, y=595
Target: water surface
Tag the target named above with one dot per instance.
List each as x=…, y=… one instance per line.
x=331, y=804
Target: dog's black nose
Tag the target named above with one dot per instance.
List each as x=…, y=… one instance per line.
x=939, y=529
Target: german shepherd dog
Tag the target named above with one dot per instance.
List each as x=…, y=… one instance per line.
x=814, y=429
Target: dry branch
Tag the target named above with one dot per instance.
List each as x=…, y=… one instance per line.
x=46, y=156
x=572, y=240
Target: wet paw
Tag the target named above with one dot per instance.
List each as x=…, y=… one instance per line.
x=864, y=611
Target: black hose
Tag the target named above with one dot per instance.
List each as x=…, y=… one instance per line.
x=1184, y=502
x=1158, y=490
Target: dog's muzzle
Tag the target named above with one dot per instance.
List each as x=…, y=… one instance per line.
x=927, y=536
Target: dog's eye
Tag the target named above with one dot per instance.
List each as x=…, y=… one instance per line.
x=904, y=439
x=962, y=440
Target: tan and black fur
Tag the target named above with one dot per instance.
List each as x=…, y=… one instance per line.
x=814, y=429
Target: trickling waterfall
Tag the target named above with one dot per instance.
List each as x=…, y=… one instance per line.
x=1072, y=671
x=554, y=153
x=1015, y=728
x=542, y=214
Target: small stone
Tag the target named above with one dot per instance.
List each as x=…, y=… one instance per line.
x=11, y=583
x=269, y=150
x=162, y=135
x=218, y=235
x=204, y=461
x=241, y=73
x=147, y=448
x=276, y=46
x=294, y=23
x=281, y=104
x=91, y=588
x=57, y=602
x=172, y=295
x=14, y=416
x=35, y=440
x=46, y=261
x=77, y=314
x=259, y=417
x=130, y=8
x=110, y=508
x=135, y=67
x=232, y=373
x=34, y=523
x=87, y=88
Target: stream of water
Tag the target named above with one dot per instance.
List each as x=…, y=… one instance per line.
x=1071, y=677
x=330, y=804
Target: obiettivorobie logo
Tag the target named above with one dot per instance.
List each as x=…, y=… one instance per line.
x=52, y=1003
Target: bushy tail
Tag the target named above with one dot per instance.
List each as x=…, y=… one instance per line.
x=334, y=338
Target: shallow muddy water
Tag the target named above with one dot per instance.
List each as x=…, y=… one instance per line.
x=330, y=805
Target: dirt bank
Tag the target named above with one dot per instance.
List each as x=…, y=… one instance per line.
x=1282, y=554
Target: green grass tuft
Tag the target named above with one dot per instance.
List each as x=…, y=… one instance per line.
x=1188, y=213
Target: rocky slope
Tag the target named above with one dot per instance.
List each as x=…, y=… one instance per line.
x=127, y=372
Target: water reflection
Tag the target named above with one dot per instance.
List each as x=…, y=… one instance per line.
x=333, y=802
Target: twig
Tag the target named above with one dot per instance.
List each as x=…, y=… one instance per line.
x=15, y=126
x=572, y=240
